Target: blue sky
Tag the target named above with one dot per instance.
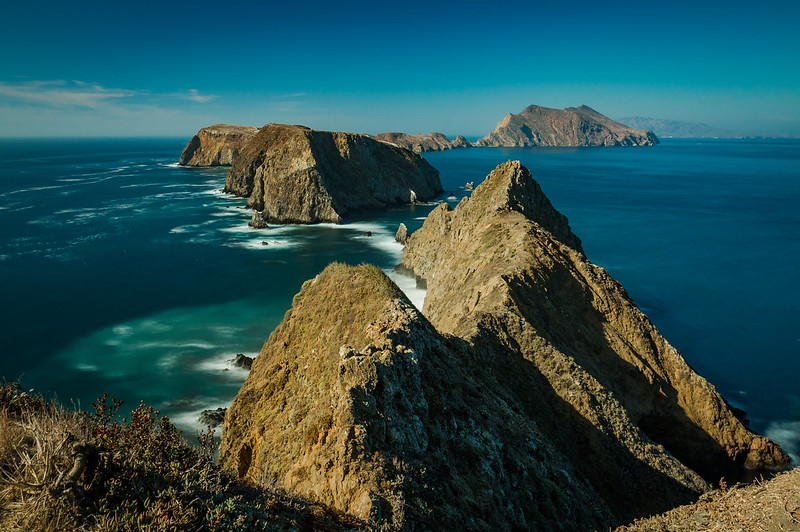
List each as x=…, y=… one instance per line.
x=91, y=68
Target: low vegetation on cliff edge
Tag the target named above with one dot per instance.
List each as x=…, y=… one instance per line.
x=64, y=470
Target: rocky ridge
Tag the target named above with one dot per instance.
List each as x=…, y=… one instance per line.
x=357, y=401
x=573, y=126
x=424, y=142
x=533, y=393
x=293, y=174
x=216, y=145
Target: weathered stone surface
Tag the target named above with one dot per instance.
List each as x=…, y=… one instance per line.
x=424, y=142
x=574, y=126
x=593, y=371
x=356, y=401
x=402, y=234
x=297, y=175
x=216, y=145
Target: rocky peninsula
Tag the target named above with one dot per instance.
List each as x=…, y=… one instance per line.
x=532, y=393
x=216, y=145
x=424, y=142
x=293, y=174
x=573, y=126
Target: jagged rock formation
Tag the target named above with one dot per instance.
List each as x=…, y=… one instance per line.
x=424, y=142
x=216, y=145
x=574, y=126
x=357, y=401
x=294, y=174
x=533, y=394
x=505, y=266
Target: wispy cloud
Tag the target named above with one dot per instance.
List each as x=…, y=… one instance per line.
x=195, y=96
x=63, y=93
x=79, y=94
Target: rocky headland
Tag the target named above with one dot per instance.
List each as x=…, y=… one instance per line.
x=293, y=174
x=216, y=145
x=424, y=142
x=573, y=126
x=532, y=393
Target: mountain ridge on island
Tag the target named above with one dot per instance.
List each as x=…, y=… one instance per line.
x=531, y=393
x=571, y=127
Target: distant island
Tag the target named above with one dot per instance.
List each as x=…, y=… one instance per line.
x=573, y=126
x=424, y=142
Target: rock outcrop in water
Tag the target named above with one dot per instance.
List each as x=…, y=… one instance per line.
x=293, y=174
x=532, y=394
x=424, y=142
x=574, y=126
x=216, y=145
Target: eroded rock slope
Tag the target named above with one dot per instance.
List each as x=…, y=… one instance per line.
x=293, y=174
x=355, y=400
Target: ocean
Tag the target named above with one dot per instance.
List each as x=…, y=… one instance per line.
x=122, y=272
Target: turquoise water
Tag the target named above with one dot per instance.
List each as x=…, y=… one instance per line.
x=124, y=273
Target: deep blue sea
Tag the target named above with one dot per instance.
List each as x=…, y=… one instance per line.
x=122, y=272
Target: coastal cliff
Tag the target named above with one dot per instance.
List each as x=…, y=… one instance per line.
x=574, y=126
x=216, y=145
x=293, y=174
x=424, y=142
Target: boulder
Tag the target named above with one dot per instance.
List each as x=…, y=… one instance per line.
x=402, y=234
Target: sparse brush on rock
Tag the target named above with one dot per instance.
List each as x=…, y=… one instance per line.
x=64, y=470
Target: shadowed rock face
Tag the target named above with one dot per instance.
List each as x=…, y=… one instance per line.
x=298, y=175
x=424, y=142
x=355, y=400
x=574, y=126
x=505, y=266
x=216, y=145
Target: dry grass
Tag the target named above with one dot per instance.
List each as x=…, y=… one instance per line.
x=766, y=506
x=65, y=470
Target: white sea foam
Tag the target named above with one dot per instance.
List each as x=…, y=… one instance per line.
x=223, y=364
x=258, y=243
x=787, y=435
x=171, y=165
x=408, y=285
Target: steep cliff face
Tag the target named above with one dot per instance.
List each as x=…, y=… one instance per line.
x=424, y=142
x=216, y=145
x=574, y=126
x=298, y=175
x=505, y=265
x=357, y=402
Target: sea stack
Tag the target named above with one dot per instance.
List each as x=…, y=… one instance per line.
x=573, y=126
x=216, y=145
x=293, y=174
